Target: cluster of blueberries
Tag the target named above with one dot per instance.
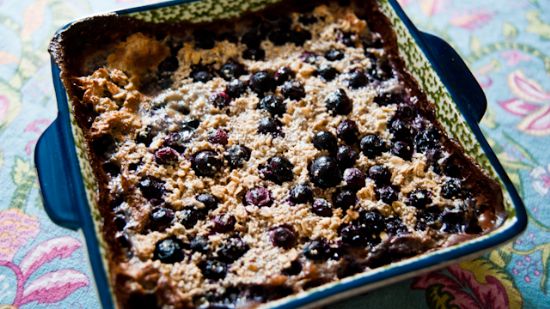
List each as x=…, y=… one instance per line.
x=333, y=168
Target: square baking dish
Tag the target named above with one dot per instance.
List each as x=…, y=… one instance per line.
x=68, y=185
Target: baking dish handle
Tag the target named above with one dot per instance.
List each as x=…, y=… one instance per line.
x=58, y=192
x=456, y=75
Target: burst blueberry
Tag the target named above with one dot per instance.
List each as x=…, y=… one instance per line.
x=258, y=196
x=237, y=155
x=278, y=169
x=321, y=207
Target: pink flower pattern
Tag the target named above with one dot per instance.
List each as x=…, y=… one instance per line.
x=16, y=228
x=532, y=104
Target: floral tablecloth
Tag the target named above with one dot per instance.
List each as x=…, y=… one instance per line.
x=505, y=42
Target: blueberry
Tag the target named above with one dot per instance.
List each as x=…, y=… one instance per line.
x=321, y=207
x=300, y=194
x=452, y=166
x=327, y=72
x=344, y=199
x=144, y=136
x=354, y=178
x=357, y=79
x=380, y=174
x=262, y=82
x=324, y=172
x=452, y=188
x=278, y=169
x=122, y=239
x=388, y=98
x=348, y=39
x=419, y=198
x=235, y=88
x=405, y=112
x=169, y=251
x=231, y=70
x=224, y=223
x=354, y=235
x=307, y=20
x=169, y=64
x=213, y=269
x=254, y=53
x=201, y=74
x=294, y=269
x=228, y=36
x=308, y=57
x=373, y=221
x=283, y=236
x=252, y=38
x=237, y=155
x=324, y=140
x=334, y=54
x=112, y=168
x=453, y=220
x=394, y=226
x=318, y=249
x=258, y=196
x=381, y=70
x=400, y=130
x=204, y=39
x=166, y=155
x=338, y=102
x=209, y=201
x=279, y=37
x=428, y=217
x=232, y=249
x=190, y=215
x=104, y=146
x=372, y=146
x=347, y=131
x=206, y=163
x=346, y=156
x=299, y=37
x=293, y=90
x=120, y=221
x=387, y=194
x=178, y=140
x=284, y=74
x=273, y=104
x=427, y=139
x=199, y=244
x=151, y=187
x=161, y=218
x=402, y=149
x=218, y=136
x=220, y=99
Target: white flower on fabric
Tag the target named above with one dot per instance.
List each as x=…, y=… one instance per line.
x=541, y=179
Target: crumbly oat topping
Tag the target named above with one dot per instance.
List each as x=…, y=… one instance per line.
x=277, y=157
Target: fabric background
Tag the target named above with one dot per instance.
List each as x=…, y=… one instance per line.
x=506, y=44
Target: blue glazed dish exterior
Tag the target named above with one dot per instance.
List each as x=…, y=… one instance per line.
x=66, y=203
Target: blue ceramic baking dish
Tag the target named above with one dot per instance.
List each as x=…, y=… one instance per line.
x=68, y=188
